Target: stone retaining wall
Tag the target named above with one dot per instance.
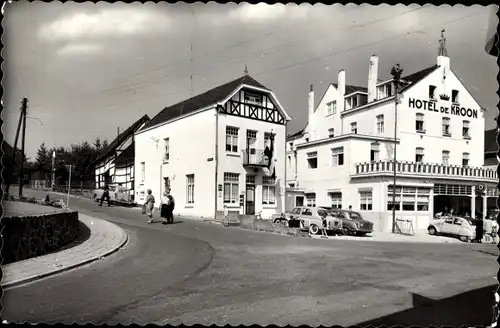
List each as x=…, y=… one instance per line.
x=32, y=236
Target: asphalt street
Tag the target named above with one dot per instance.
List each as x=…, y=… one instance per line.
x=197, y=272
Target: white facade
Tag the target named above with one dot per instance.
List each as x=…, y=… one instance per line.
x=436, y=157
x=192, y=164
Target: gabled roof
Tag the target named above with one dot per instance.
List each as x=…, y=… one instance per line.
x=490, y=141
x=351, y=88
x=417, y=77
x=122, y=138
x=126, y=157
x=206, y=99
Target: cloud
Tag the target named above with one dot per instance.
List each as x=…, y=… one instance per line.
x=263, y=12
x=105, y=23
x=78, y=49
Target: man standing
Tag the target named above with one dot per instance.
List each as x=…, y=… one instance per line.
x=170, y=207
x=105, y=194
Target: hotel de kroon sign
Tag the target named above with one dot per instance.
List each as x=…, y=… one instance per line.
x=431, y=105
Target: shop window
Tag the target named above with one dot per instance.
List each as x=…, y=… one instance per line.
x=336, y=198
x=409, y=199
x=312, y=160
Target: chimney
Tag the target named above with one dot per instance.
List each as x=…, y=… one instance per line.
x=341, y=88
x=372, y=78
x=311, y=106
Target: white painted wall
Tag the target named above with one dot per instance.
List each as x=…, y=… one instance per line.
x=192, y=142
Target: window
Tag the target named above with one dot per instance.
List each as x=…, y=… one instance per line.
x=331, y=133
x=338, y=156
x=251, y=140
x=166, y=156
x=291, y=145
x=190, y=188
x=432, y=91
x=354, y=101
x=354, y=127
x=311, y=200
x=409, y=198
x=454, y=96
x=307, y=212
x=268, y=190
x=331, y=108
x=388, y=89
x=253, y=98
x=465, y=159
x=307, y=139
x=465, y=130
x=446, y=126
x=380, y=124
x=143, y=171
x=336, y=198
x=365, y=200
x=231, y=139
x=289, y=160
x=419, y=155
x=166, y=183
x=374, y=152
x=419, y=123
x=267, y=139
x=312, y=160
x=446, y=157
x=231, y=187
x=250, y=179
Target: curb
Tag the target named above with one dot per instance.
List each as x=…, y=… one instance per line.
x=123, y=241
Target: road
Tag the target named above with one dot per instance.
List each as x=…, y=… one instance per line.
x=196, y=272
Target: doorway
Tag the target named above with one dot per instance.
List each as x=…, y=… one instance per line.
x=299, y=201
x=250, y=200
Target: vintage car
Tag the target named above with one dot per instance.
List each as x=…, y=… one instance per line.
x=314, y=219
x=352, y=222
x=117, y=194
x=452, y=226
x=290, y=219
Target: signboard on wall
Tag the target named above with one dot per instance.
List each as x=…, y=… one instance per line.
x=220, y=187
x=431, y=105
x=242, y=199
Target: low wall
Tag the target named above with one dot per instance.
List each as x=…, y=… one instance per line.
x=32, y=236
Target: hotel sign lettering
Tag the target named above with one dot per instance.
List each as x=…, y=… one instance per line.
x=432, y=106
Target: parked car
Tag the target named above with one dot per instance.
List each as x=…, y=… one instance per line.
x=117, y=194
x=493, y=214
x=316, y=218
x=452, y=226
x=290, y=219
x=352, y=222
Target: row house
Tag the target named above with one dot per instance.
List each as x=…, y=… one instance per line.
x=224, y=147
x=115, y=165
x=345, y=155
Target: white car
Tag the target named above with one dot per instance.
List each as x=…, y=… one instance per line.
x=452, y=226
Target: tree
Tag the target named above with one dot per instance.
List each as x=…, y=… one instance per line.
x=42, y=155
x=105, y=144
x=97, y=144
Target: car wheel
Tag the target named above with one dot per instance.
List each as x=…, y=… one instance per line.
x=346, y=231
x=313, y=229
x=432, y=231
x=277, y=221
x=464, y=238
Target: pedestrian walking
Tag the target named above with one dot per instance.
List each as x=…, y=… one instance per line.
x=479, y=231
x=149, y=204
x=170, y=201
x=226, y=216
x=164, y=211
x=488, y=229
x=105, y=195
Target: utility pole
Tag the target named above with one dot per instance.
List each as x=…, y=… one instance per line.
x=53, y=182
x=15, y=145
x=23, y=139
x=396, y=72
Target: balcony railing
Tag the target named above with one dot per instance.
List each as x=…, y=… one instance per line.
x=255, y=157
x=424, y=169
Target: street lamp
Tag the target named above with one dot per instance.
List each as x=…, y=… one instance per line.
x=396, y=72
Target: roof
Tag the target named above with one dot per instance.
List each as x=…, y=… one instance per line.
x=490, y=141
x=122, y=138
x=417, y=76
x=8, y=150
x=126, y=157
x=296, y=134
x=352, y=88
x=206, y=99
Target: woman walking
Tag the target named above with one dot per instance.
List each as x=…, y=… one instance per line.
x=164, y=210
x=149, y=204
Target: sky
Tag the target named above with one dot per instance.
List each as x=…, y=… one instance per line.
x=90, y=69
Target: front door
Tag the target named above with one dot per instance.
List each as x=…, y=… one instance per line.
x=299, y=201
x=250, y=200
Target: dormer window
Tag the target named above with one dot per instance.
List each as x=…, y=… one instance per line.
x=454, y=96
x=253, y=98
x=432, y=92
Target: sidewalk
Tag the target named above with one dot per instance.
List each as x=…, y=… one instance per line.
x=419, y=237
x=105, y=239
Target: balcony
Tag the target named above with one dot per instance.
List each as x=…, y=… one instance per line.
x=436, y=171
x=255, y=158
